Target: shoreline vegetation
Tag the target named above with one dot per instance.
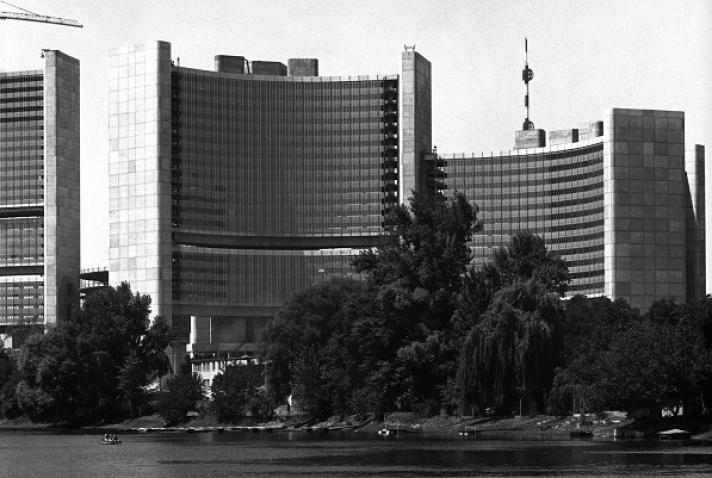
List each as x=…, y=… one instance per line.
x=605, y=426
x=423, y=331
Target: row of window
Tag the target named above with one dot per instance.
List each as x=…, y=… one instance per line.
x=21, y=119
x=250, y=280
x=20, y=109
x=8, y=99
x=31, y=129
x=22, y=79
x=9, y=90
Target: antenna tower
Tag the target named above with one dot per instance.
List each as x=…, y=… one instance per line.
x=527, y=75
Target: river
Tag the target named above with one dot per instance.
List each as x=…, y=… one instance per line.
x=344, y=454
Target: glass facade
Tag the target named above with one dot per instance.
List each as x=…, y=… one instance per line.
x=232, y=189
x=21, y=198
x=39, y=193
x=556, y=193
x=270, y=176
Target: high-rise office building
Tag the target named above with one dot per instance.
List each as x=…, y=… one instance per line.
x=231, y=189
x=621, y=200
x=39, y=193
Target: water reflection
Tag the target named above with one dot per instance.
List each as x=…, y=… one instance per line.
x=343, y=454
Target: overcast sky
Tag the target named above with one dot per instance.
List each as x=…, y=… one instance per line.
x=587, y=56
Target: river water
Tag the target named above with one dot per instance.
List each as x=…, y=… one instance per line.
x=344, y=454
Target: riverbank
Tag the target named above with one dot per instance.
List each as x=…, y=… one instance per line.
x=605, y=426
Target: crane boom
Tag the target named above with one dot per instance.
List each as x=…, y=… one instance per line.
x=39, y=18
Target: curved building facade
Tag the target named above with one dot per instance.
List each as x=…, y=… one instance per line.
x=232, y=189
x=557, y=193
x=620, y=200
x=273, y=178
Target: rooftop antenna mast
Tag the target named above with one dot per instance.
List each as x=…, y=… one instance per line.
x=527, y=75
x=35, y=17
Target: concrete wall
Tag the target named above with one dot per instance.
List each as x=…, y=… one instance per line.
x=695, y=222
x=273, y=68
x=644, y=205
x=528, y=139
x=230, y=64
x=303, y=67
x=563, y=136
x=140, y=171
x=590, y=130
x=416, y=121
x=61, y=185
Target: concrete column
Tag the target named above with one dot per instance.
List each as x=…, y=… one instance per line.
x=415, y=121
x=61, y=185
x=695, y=222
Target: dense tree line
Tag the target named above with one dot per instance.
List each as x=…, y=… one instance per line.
x=427, y=331
x=94, y=366
x=423, y=329
x=616, y=358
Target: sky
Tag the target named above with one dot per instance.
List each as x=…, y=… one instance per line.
x=587, y=56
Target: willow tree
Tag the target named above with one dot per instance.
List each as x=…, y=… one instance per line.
x=511, y=313
x=512, y=352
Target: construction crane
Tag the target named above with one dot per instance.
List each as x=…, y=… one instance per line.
x=36, y=17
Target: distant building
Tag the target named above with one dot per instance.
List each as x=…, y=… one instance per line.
x=231, y=189
x=39, y=194
x=621, y=200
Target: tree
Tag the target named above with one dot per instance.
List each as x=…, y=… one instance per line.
x=237, y=392
x=654, y=365
x=386, y=344
x=424, y=255
x=614, y=358
x=97, y=363
x=510, y=316
x=417, y=273
x=9, y=379
x=308, y=350
x=512, y=352
x=182, y=394
x=526, y=257
x=589, y=327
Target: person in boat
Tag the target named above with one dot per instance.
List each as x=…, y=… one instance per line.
x=107, y=437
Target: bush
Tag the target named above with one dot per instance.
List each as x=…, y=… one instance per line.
x=236, y=393
x=182, y=395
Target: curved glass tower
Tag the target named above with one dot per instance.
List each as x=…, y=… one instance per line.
x=620, y=199
x=231, y=189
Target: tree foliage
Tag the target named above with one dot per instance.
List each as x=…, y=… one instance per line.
x=9, y=379
x=619, y=359
x=429, y=331
x=512, y=351
x=346, y=346
x=182, y=394
x=511, y=320
x=96, y=364
x=311, y=348
x=238, y=391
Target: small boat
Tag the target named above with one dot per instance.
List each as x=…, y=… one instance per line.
x=468, y=432
x=386, y=432
x=110, y=442
x=674, y=434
